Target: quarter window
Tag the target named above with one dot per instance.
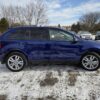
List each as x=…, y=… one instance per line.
x=19, y=35
x=29, y=34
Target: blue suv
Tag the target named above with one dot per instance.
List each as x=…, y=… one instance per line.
x=21, y=45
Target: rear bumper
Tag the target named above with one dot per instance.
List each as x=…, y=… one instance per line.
x=2, y=58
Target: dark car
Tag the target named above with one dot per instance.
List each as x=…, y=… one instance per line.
x=97, y=37
x=21, y=45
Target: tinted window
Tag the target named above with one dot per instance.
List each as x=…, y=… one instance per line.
x=30, y=34
x=39, y=34
x=20, y=34
x=60, y=35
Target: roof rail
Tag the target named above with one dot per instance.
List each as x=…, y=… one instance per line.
x=23, y=26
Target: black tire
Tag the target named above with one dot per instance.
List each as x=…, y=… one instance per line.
x=23, y=57
x=93, y=54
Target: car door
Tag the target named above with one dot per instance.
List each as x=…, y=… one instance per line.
x=63, y=46
x=33, y=41
x=38, y=44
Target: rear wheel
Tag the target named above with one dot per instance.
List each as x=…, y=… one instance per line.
x=90, y=61
x=16, y=61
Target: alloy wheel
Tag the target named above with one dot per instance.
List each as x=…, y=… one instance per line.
x=15, y=62
x=90, y=62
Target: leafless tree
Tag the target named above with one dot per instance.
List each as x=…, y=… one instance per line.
x=33, y=13
x=40, y=15
x=27, y=13
x=89, y=20
x=9, y=13
x=20, y=15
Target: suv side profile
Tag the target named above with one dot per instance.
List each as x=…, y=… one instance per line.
x=21, y=45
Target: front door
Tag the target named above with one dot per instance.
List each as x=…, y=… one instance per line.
x=62, y=45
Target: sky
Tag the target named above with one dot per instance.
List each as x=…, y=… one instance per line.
x=64, y=12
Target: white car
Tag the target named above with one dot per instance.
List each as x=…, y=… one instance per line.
x=86, y=35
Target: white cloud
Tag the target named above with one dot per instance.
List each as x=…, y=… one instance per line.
x=54, y=4
x=58, y=13
x=72, y=13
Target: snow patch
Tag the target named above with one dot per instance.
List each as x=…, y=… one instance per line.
x=26, y=84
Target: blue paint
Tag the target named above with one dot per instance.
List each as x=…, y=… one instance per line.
x=47, y=49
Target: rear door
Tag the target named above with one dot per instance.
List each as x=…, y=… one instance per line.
x=38, y=44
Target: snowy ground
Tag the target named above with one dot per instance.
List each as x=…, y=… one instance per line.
x=49, y=82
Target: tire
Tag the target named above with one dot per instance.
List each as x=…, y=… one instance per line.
x=16, y=61
x=90, y=61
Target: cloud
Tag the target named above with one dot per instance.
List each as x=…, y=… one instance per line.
x=54, y=4
x=63, y=12
x=70, y=14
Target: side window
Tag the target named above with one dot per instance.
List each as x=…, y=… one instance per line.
x=19, y=34
x=56, y=34
x=39, y=34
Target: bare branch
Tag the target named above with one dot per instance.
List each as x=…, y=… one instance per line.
x=89, y=20
x=32, y=13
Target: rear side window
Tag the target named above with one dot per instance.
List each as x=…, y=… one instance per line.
x=39, y=34
x=29, y=34
x=19, y=35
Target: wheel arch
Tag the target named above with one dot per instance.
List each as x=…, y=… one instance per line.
x=19, y=51
x=91, y=50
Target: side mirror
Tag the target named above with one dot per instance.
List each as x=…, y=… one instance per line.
x=75, y=39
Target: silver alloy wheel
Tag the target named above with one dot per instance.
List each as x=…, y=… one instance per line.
x=15, y=62
x=90, y=62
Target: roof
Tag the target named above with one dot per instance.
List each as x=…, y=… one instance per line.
x=34, y=27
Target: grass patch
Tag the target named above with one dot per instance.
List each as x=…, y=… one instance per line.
x=24, y=98
x=92, y=95
x=72, y=78
x=73, y=97
x=49, y=80
x=47, y=98
x=59, y=73
x=19, y=80
x=3, y=97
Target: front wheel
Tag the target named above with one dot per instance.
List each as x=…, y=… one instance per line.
x=16, y=61
x=90, y=61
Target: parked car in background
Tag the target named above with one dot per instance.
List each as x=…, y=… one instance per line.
x=97, y=37
x=22, y=45
x=86, y=35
